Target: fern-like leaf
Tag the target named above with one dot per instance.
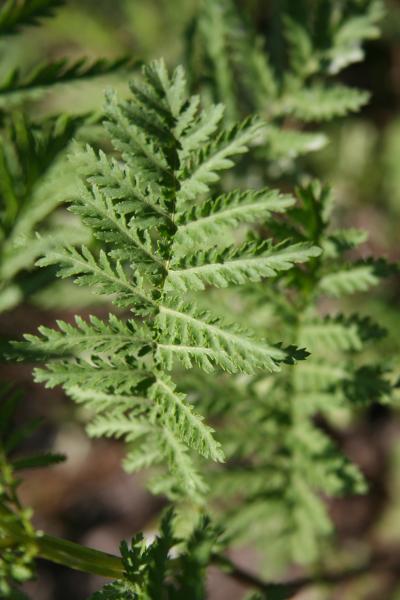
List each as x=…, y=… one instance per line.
x=15, y=14
x=93, y=336
x=139, y=206
x=213, y=216
x=231, y=349
x=103, y=275
x=320, y=104
x=251, y=262
x=180, y=418
x=200, y=169
x=349, y=281
x=16, y=87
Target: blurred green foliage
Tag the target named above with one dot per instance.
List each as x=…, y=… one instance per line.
x=361, y=161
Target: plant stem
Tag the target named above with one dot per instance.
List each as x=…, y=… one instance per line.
x=64, y=552
x=387, y=561
x=79, y=557
x=96, y=562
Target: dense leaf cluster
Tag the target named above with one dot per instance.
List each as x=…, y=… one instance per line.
x=152, y=574
x=17, y=543
x=143, y=206
x=34, y=177
x=286, y=74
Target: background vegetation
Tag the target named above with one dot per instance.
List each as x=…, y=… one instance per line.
x=89, y=499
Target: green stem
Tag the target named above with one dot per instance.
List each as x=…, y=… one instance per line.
x=8, y=192
x=64, y=552
x=79, y=557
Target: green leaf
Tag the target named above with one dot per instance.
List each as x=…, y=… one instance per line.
x=319, y=103
x=15, y=87
x=179, y=417
x=102, y=274
x=116, y=190
x=37, y=462
x=14, y=15
x=93, y=336
x=251, y=262
x=339, y=333
x=99, y=212
x=201, y=129
x=118, y=590
x=210, y=218
x=233, y=350
x=289, y=144
x=200, y=168
x=318, y=375
x=121, y=375
x=348, y=37
x=301, y=51
x=349, y=280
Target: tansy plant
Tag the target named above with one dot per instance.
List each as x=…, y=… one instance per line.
x=220, y=365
